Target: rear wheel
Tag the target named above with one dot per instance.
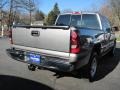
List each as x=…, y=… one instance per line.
x=92, y=67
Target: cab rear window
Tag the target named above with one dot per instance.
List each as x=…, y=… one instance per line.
x=84, y=20
x=63, y=20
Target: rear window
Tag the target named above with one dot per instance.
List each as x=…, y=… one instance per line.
x=63, y=20
x=84, y=20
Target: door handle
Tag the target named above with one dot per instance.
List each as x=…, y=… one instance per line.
x=35, y=33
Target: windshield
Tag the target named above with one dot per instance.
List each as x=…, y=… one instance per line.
x=84, y=20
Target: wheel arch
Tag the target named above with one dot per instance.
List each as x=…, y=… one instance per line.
x=97, y=48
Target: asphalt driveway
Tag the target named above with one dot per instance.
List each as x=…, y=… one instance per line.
x=15, y=75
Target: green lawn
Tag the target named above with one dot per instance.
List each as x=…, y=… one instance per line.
x=118, y=39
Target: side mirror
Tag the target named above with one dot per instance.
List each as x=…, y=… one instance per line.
x=115, y=28
x=108, y=29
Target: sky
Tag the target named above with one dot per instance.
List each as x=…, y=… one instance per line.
x=75, y=5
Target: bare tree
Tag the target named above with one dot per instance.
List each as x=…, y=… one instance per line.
x=27, y=5
x=2, y=4
x=106, y=10
x=30, y=6
x=39, y=15
x=116, y=7
x=111, y=9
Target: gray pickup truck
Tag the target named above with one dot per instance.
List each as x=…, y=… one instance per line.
x=76, y=40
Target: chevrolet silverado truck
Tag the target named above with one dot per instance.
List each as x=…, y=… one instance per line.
x=74, y=41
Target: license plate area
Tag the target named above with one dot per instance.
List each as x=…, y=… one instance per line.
x=33, y=58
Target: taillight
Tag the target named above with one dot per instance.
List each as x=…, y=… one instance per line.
x=10, y=36
x=75, y=43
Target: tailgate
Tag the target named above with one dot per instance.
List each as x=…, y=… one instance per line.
x=55, y=39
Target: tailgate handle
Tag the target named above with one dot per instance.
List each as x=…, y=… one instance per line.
x=35, y=33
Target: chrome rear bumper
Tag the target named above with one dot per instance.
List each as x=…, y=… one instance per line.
x=49, y=63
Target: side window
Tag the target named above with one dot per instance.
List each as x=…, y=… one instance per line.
x=108, y=29
x=105, y=24
x=90, y=21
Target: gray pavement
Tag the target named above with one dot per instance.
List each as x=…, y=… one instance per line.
x=15, y=75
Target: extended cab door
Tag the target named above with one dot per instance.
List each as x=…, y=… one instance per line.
x=109, y=37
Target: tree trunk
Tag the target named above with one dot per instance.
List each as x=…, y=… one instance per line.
x=10, y=14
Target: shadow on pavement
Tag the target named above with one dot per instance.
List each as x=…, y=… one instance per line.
x=106, y=65
x=16, y=83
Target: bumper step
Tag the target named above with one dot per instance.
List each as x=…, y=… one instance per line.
x=59, y=65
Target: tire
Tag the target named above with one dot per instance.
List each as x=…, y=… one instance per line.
x=92, y=67
x=31, y=67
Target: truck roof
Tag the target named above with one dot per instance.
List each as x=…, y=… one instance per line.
x=79, y=13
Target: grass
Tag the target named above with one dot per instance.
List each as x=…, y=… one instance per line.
x=118, y=39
